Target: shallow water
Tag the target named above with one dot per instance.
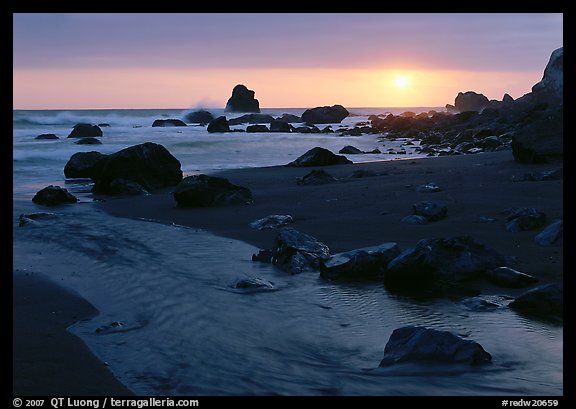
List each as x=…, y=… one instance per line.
x=186, y=331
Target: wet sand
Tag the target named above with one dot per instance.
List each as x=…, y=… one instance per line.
x=47, y=360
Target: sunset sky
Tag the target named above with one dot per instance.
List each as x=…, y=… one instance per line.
x=90, y=61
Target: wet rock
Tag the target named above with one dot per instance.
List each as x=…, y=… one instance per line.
x=88, y=141
x=414, y=219
x=542, y=301
x=251, y=119
x=53, y=196
x=524, y=218
x=199, y=117
x=479, y=304
x=435, y=263
x=84, y=165
x=422, y=345
x=552, y=235
x=47, y=136
x=278, y=125
x=148, y=164
x=316, y=177
x=114, y=326
x=168, y=122
x=319, y=157
x=257, y=128
x=85, y=131
x=432, y=211
x=509, y=278
x=325, y=114
x=429, y=187
x=296, y=252
x=253, y=283
x=220, y=124
x=366, y=263
x=205, y=191
x=274, y=221
x=29, y=218
x=242, y=100
x=350, y=150
x=125, y=187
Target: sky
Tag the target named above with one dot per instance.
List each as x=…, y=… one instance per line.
x=290, y=60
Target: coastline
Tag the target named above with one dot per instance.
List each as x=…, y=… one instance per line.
x=360, y=212
x=48, y=360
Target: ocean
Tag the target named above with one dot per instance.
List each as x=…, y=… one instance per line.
x=170, y=323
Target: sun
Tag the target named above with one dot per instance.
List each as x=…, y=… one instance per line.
x=401, y=81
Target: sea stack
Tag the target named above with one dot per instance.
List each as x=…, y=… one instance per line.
x=242, y=100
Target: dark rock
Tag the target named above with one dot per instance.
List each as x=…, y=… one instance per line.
x=366, y=263
x=148, y=164
x=432, y=211
x=296, y=252
x=251, y=119
x=252, y=283
x=53, y=196
x=479, y=304
x=47, y=136
x=509, y=278
x=104, y=125
x=85, y=131
x=434, y=263
x=552, y=235
x=422, y=345
x=205, y=191
x=541, y=140
x=274, y=221
x=470, y=101
x=280, y=126
x=524, y=218
x=257, y=128
x=325, y=115
x=114, y=326
x=350, y=150
x=319, y=157
x=199, y=117
x=28, y=218
x=242, y=100
x=168, y=122
x=84, y=165
x=220, y=124
x=264, y=256
x=290, y=118
x=316, y=177
x=88, y=141
x=306, y=129
x=125, y=187
x=414, y=219
x=543, y=301
x=551, y=88
x=429, y=187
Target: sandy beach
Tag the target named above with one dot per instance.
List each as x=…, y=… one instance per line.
x=357, y=212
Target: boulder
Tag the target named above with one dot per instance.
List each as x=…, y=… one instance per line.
x=435, y=263
x=199, y=117
x=168, y=122
x=551, y=88
x=220, y=124
x=366, y=263
x=470, y=101
x=242, y=100
x=414, y=219
x=426, y=345
x=29, y=218
x=148, y=164
x=257, y=128
x=84, y=165
x=432, y=211
x=319, y=157
x=316, y=177
x=251, y=119
x=542, y=139
x=53, y=196
x=543, y=301
x=85, y=131
x=296, y=252
x=524, y=218
x=290, y=118
x=252, y=284
x=88, y=141
x=350, y=150
x=46, y=136
x=125, y=187
x=325, y=115
x=280, y=126
x=274, y=221
x=552, y=235
x=205, y=191
x=509, y=278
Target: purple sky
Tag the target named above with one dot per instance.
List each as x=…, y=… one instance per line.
x=481, y=43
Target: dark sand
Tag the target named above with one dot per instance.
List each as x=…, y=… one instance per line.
x=47, y=360
x=359, y=212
